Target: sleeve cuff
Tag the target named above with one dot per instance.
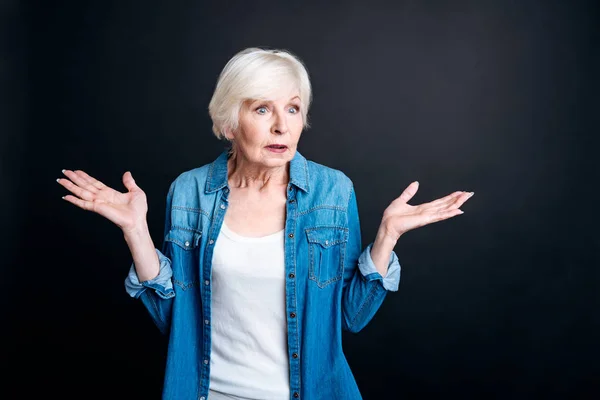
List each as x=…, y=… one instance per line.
x=161, y=284
x=391, y=281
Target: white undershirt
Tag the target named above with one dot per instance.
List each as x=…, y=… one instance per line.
x=249, y=335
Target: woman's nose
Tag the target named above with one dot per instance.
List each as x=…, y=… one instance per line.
x=280, y=123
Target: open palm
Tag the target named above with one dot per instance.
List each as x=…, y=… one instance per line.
x=400, y=217
x=126, y=210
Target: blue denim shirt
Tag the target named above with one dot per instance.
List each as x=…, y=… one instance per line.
x=331, y=283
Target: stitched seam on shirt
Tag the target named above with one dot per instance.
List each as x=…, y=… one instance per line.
x=314, y=276
x=331, y=243
x=191, y=209
x=312, y=228
x=162, y=324
x=349, y=196
x=368, y=299
x=327, y=207
x=306, y=175
x=210, y=172
x=184, y=285
x=325, y=283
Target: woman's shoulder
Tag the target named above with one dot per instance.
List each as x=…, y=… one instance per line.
x=328, y=185
x=190, y=185
x=194, y=176
x=323, y=174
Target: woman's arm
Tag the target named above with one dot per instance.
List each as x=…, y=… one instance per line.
x=142, y=248
x=151, y=269
x=382, y=249
x=365, y=287
x=379, y=269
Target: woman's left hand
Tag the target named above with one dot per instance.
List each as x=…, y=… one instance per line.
x=400, y=217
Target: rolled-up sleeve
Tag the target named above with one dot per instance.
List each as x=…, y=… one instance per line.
x=391, y=281
x=161, y=284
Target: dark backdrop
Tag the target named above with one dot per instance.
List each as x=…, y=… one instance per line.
x=500, y=98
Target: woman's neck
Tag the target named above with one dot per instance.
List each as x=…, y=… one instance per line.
x=244, y=174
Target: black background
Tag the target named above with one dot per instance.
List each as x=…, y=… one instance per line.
x=499, y=98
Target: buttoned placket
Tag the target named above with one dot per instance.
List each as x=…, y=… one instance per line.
x=290, y=290
x=206, y=292
x=290, y=293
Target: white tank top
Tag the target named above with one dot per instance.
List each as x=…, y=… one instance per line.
x=249, y=333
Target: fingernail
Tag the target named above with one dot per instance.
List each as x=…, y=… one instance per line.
x=461, y=211
x=472, y=193
x=58, y=180
x=63, y=171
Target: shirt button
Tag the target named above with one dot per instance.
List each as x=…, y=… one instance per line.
x=222, y=206
x=291, y=275
x=291, y=235
x=327, y=242
x=296, y=394
x=202, y=398
x=211, y=241
x=206, y=321
x=293, y=315
x=206, y=282
x=295, y=355
x=187, y=244
x=205, y=361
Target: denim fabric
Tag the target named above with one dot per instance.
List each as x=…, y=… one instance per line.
x=331, y=282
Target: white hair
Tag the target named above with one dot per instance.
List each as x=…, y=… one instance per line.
x=254, y=74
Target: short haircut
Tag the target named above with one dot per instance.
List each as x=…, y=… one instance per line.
x=253, y=74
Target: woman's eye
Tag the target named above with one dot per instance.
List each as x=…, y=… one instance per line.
x=261, y=110
x=294, y=109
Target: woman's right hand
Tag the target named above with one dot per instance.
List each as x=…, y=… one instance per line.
x=126, y=210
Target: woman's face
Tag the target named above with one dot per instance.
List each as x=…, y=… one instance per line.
x=264, y=123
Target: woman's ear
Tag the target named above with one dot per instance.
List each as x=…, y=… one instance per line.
x=228, y=134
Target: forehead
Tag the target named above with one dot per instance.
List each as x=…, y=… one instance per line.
x=279, y=96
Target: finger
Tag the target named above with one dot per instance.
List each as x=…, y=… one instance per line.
x=408, y=193
x=79, y=180
x=83, y=204
x=444, y=200
x=442, y=215
x=77, y=190
x=452, y=201
x=439, y=204
x=456, y=202
x=462, y=199
x=91, y=180
x=129, y=182
x=88, y=181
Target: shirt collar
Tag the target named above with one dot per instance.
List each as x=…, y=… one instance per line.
x=217, y=173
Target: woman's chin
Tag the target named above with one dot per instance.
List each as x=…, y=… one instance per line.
x=278, y=157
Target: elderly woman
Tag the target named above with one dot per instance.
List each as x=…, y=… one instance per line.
x=262, y=265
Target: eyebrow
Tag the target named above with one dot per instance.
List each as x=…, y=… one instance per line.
x=252, y=101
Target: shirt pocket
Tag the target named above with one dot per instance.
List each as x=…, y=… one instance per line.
x=185, y=255
x=326, y=247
